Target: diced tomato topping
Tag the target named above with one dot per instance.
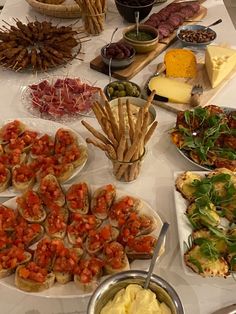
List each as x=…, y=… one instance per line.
x=89, y=268
x=25, y=233
x=50, y=189
x=63, y=139
x=31, y=205
x=33, y=272
x=104, y=199
x=97, y=238
x=71, y=154
x=12, y=158
x=7, y=218
x=56, y=221
x=5, y=240
x=76, y=195
x=133, y=226
x=121, y=210
x=114, y=254
x=66, y=261
x=23, y=141
x=10, y=258
x=42, y=146
x=144, y=244
x=11, y=130
x=23, y=173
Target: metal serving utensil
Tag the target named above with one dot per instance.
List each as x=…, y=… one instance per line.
x=136, y=14
x=156, y=253
x=213, y=24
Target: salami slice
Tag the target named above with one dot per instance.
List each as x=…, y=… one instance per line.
x=163, y=15
x=167, y=25
x=187, y=11
x=150, y=23
x=174, y=20
x=195, y=7
x=180, y=16
x=163, y=31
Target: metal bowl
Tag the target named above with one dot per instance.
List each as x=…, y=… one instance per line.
x=108, y=288
x=109, y=97
x=118, y=63
x=194, y=27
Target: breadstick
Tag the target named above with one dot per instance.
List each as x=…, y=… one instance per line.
x=112, y=120
x=108, y=131
x=102, y=94
x=121, y=148
x=101, y=109
x=150, y=132
x=111, y=151
x=97, y=134
x=98, y=144
x=121, y=119
x=130, y=120
x=139, y=120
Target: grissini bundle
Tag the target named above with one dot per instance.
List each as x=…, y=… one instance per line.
x=124, y=149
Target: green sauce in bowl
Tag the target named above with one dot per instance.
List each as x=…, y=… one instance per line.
x=142, y=35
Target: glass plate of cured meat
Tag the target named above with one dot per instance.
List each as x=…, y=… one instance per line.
x=60, y=98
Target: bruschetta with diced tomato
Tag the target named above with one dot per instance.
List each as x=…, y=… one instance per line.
x=6, y=240
x=66, y=263
x=23, y=177
x=61, y=171
x=63, y=139
x=115, y=258
x=79, y=228
x=77, y=198
x=30, y=207
x=5, y=177
x=42, y=146
x=26, y=234
x=141, y=247
x=33, y=278
x=136, y=225
x=46, y=252
x=102, y=200
x=98, y=238
x=23, y=142
x=11, y=258
x=51, y=191
x=122, y=208
x=13, y=158
x=75, y=154
x=88, y=273
x=10, y=131
x=56, y=222
x=7, y=218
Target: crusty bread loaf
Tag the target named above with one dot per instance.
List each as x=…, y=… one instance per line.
x=180, y=63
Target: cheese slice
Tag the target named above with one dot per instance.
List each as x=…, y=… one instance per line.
x=175, y=91
x=219, y=63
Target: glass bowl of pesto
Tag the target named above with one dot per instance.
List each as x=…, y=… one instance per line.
x=145, y=41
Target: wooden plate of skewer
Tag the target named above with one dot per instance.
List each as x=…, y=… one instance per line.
x=39, y=46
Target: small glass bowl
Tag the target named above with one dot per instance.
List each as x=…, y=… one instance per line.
x=127, y=171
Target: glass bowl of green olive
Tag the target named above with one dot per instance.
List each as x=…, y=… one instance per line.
x=121, y=89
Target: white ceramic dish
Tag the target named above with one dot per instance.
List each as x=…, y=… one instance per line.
x=70, y=290
x=184, y=226
x=43, y=126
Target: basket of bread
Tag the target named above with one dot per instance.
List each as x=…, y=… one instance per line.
x=56, y=8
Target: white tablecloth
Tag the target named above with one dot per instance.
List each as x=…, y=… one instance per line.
x=156, y=184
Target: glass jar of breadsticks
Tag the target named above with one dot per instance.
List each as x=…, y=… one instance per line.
x=125, y=149
x=93, y=15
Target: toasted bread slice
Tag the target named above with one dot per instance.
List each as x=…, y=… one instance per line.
x=184, y=184
x=115, y=258
x=55, y=218
x=105, y=196
x=141, y=247
x=205, y=266
x=27, y=183
x=77, y=198
x=6, y=183
x=48, y=186
x=29, y=285
x=16, y=127
x=5, y=272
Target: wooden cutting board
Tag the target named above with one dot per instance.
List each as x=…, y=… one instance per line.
x=208, y=92
x=142, y=60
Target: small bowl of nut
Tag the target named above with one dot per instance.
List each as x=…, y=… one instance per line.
x=196, y=35
x=119, y=55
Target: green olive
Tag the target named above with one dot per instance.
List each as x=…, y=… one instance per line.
x=137, y=94
x=121, y=87
x=110, y=90
x=114, y=85
x=122, y=93
x=129, y=90
x=116, y=93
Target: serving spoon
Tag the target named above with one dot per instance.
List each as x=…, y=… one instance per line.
x=156, y=253
x=136, y=14
x=213, y=24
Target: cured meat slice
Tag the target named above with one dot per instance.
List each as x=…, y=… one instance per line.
x=187, y=11
x=168, y=26
x=155, y=18
x=150, y=23
x=180, y=16
x=163, y=15
x=174, y=20
x=195, y=7
x=163, y=31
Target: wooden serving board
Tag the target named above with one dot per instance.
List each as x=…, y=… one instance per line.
x=141, y=60
x=208, y=92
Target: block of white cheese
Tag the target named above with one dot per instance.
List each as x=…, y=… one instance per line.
x=174, y=90
x=219, y=63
